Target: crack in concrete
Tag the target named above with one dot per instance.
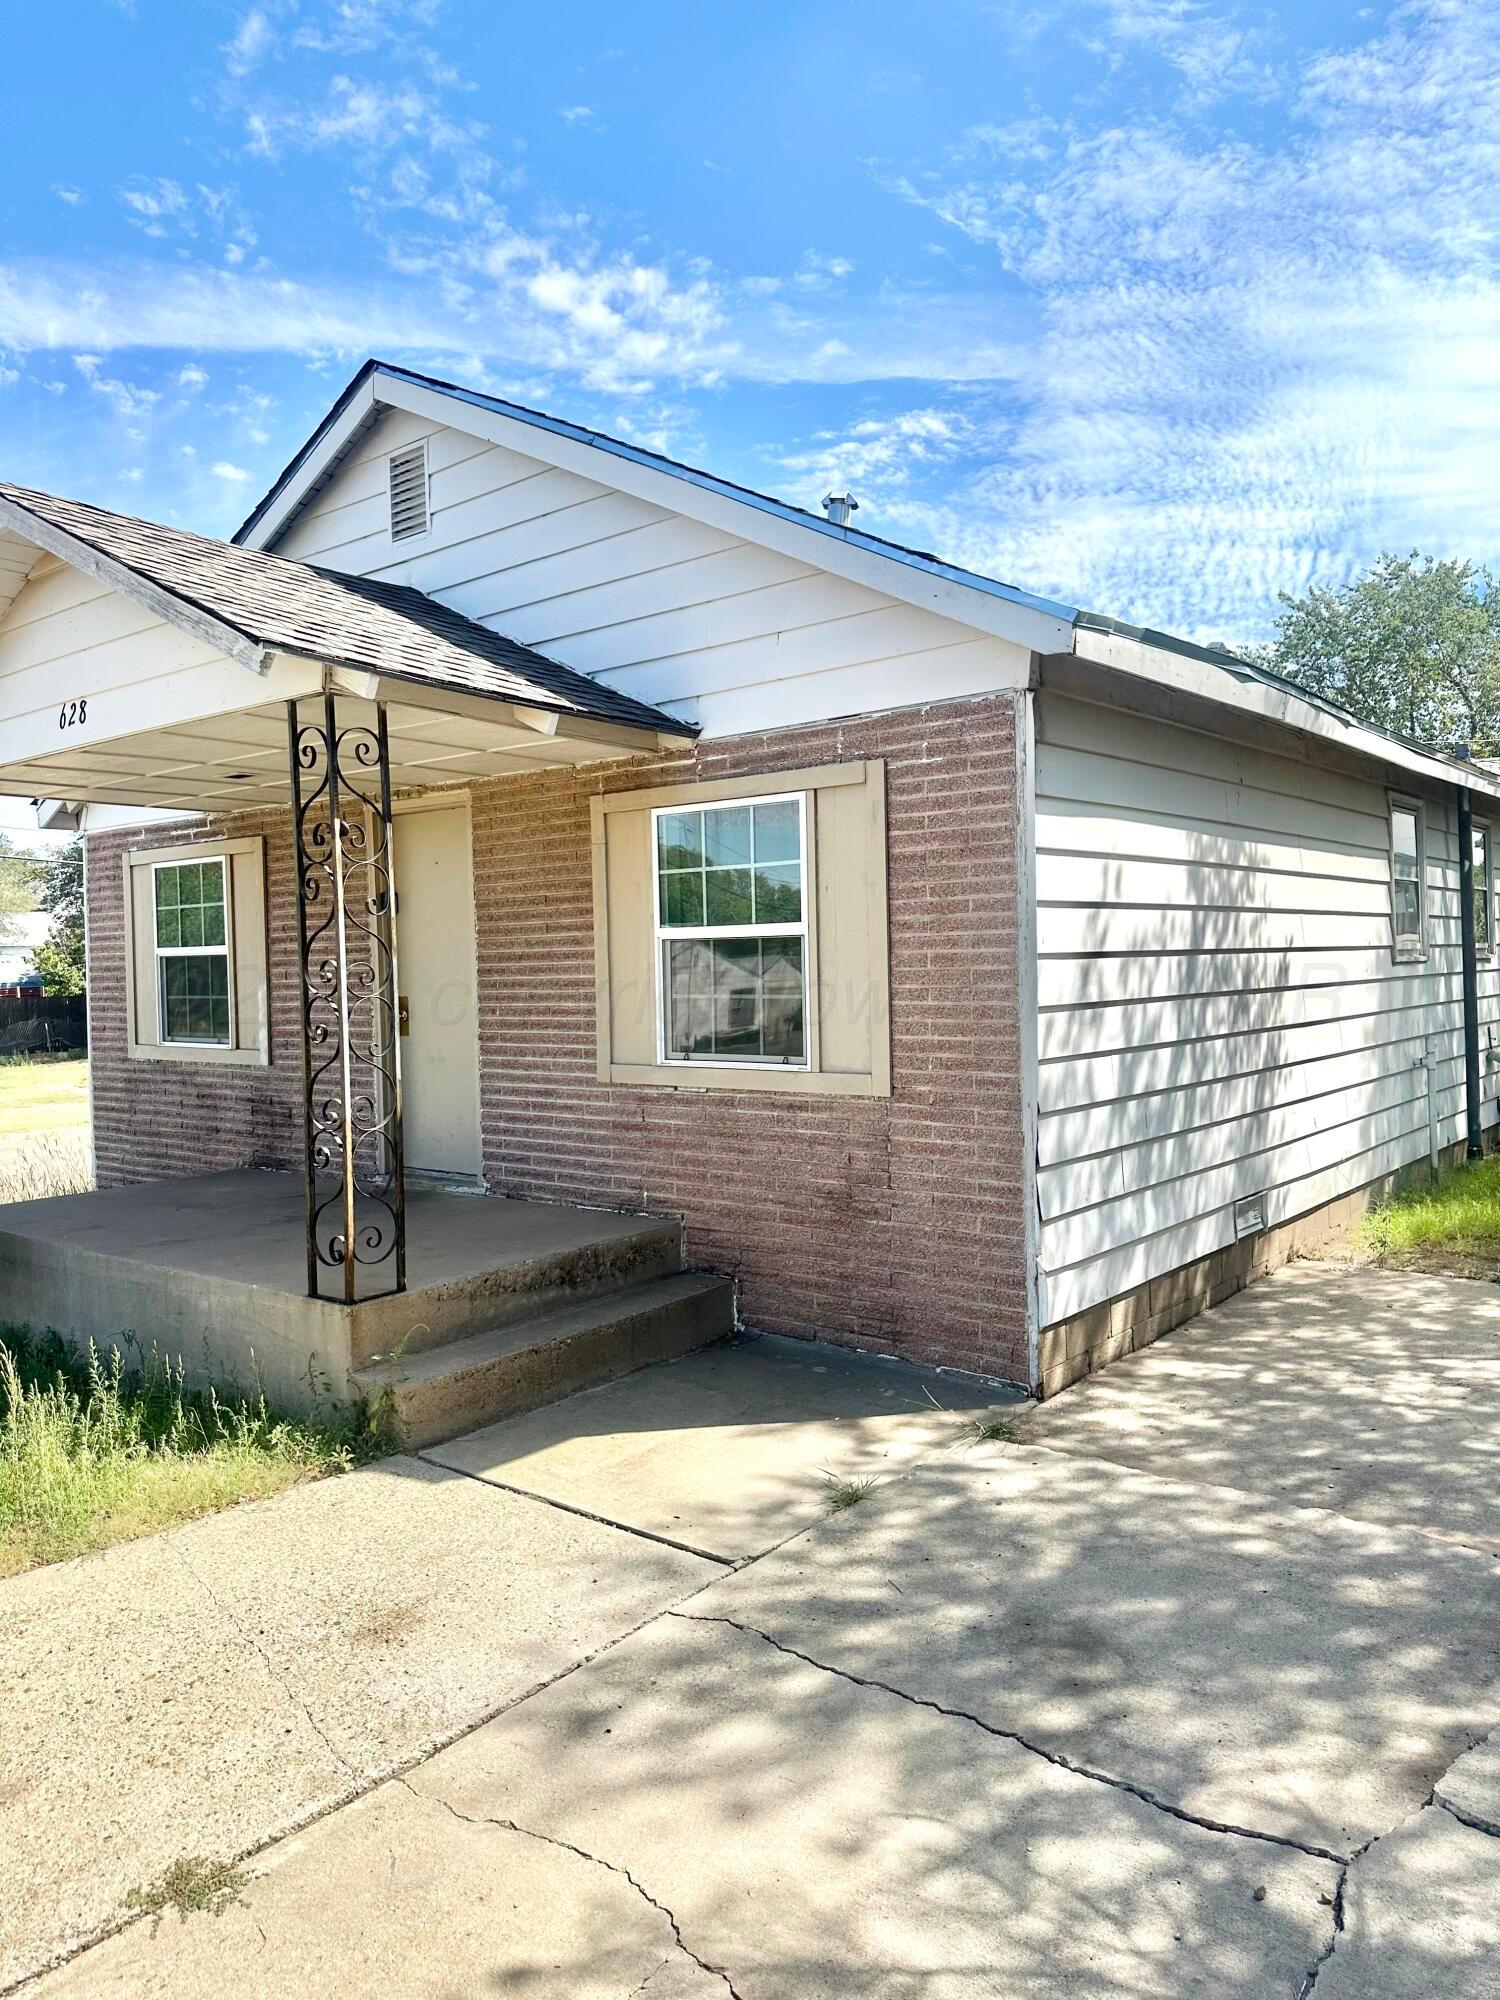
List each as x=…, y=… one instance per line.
x=1056, y=1757
x=1465, y=1819
x=1310, y=1977
x=598, y=1861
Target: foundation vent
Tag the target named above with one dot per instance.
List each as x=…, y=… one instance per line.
x=1249, y=1215
x=408, y=476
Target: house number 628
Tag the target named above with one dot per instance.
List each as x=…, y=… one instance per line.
x=72, y=713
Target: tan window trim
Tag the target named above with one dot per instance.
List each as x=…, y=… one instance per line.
x=245, y=937
x=872, y=1079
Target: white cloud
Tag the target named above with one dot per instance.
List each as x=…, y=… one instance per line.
x=889, y=450
x=252, y=41
x=127, y=399
x=576, y=114
x=74, y=197
x=192, y=377
x=235, y=474
x=1210, y=52
x=1254, y=365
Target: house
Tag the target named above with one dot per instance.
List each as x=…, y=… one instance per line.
x=960, y=974
x=19, y=939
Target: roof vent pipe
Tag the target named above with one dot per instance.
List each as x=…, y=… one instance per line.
x=838, y=507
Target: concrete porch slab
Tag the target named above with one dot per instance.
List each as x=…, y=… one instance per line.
x=730, y=1450
x=213, y=1268
x=200, y=1692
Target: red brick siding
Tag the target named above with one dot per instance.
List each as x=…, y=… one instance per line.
x=895, y=1223
x=890, y=1223
x=157, y=1119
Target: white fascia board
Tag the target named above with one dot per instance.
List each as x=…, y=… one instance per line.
x=319, y=463
x=965, y=604
x=81, y=555
x=1255, y=697
x=58, y=816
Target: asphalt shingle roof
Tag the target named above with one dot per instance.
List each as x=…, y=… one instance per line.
x=346, y=621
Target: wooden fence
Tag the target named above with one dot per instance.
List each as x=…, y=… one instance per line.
x=38, y=1023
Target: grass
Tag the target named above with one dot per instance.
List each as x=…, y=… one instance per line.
x=999, y=1430
x=840, y=1494
x=43, y=1094
x=190, y=1885
x=1452, y=1225
x=44, y=1127
x=93, y=1452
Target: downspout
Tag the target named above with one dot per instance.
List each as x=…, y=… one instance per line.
x=1474, y=1147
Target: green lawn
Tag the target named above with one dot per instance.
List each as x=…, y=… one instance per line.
x=1451, y=1226
x=43, y=1094
x=92, y=1454
x=44, y=1127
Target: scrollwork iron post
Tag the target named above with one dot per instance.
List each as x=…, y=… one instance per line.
x=351, y=1049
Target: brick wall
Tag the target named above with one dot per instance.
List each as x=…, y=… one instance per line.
x=156, y=1119
x=895, y=1223
x=890, y=1223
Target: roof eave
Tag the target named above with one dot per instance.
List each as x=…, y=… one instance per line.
x=1220, y=678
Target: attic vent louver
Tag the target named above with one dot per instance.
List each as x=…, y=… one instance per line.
x=408, y=492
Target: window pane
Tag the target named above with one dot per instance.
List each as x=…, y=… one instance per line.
x=682, y=899
x=679, y=840
x=213, y=923
x=778, y=895
x=726, y=837
x=735, y=1000
x=1404, y=840
x=777, y=836
x=1479, y=850
x=166, y=888
x=1408, y=914
x=728, y=897
x=168, y=927
x=192, y=926
x=195, y=998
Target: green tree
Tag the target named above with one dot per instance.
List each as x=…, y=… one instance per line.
x=1412, y=646
x=17, y=886
x=59, y=959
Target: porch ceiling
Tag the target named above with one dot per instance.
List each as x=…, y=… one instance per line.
x=177, y=697
x=236, y=760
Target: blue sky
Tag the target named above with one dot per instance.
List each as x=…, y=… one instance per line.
x=1156, y=306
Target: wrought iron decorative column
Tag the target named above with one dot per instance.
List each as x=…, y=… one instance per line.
x=351, y=1043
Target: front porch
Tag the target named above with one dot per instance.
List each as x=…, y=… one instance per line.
x=508, y=1304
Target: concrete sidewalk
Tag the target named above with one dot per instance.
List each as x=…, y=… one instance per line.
x=205, y=1691
x=1028, y=1720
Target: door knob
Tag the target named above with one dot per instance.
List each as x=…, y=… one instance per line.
x=403, y=1015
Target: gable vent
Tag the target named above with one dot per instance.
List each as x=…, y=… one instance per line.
x=408, y=471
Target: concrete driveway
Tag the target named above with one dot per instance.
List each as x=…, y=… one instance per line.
x=1100, y=1706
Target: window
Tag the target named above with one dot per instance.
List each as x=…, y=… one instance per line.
x=196, y=965
x=1479, y=850
x=732, y=932
x=740, y=933
x=1408, y=896
x=192, y=952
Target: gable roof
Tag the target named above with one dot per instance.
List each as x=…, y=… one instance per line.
x=251, y=603
x=656, y=461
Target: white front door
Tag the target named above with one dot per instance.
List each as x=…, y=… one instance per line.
x=440, y=1025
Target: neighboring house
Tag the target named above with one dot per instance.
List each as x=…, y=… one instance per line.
x=19, y=939
x=981, y=980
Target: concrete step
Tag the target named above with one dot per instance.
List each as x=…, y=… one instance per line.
x=530, y=1259
x=522, y=1364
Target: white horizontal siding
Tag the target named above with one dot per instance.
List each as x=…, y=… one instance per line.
x=1220, y=1013
x=691, y=618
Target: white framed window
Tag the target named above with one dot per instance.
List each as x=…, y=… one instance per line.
x=197, y=986
x=1484, y=908
x=1408, y=879
x=731, y=895
x=190, y=916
